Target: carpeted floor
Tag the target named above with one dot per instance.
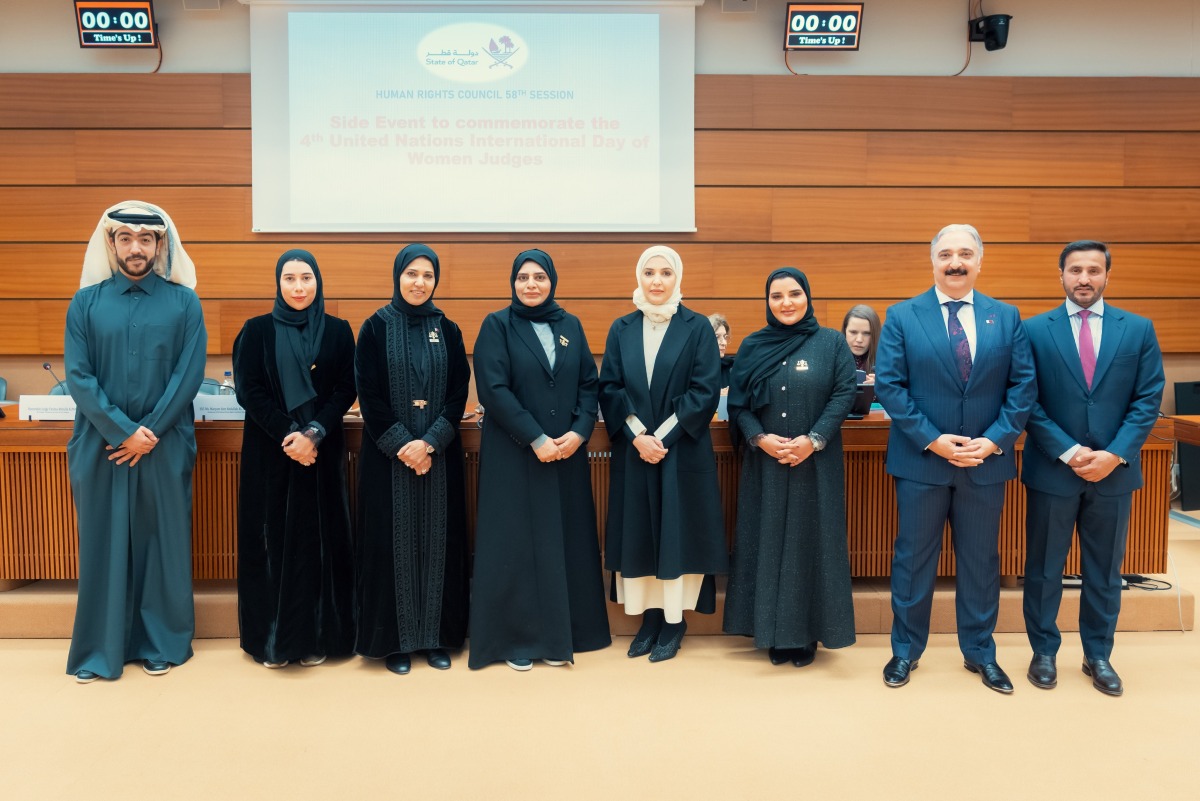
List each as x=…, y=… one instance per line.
x=717, y=722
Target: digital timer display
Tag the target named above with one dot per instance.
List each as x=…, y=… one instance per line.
x=114, y=23
x=823, y=26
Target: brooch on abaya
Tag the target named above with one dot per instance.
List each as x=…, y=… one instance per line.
x=802, y=365
x=563, y=340
x=433, y=337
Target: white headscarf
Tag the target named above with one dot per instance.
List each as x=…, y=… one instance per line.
x=100, y=263
x=661, y=312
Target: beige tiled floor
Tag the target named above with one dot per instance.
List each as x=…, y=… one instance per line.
x=717, y=722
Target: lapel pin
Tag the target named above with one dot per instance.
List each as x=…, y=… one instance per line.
x=802, y=365
x=563, y=340
x=433, y=336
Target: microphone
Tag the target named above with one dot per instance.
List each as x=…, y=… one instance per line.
x=58, y=382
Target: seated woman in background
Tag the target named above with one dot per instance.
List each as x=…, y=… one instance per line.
x=659, y=387
x=294, y=374
x=538, y=590
x=793, y=385
x=721, y=329
x=861, y=329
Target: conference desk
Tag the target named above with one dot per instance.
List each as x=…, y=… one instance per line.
x=38, y=534
x=1187, y=428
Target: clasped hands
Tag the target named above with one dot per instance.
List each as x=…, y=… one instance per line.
x=415, y=456
x=135, y=446
x=563, y=447
x=300, y=448
x=650, y=448
x=790, y=452
x=1093, y=465
x=963, y=451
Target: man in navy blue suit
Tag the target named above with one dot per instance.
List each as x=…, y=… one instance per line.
x=955, y=373
x=1100, y=385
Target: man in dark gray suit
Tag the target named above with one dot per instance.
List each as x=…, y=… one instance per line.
x=1100, y=385
x=955, y=374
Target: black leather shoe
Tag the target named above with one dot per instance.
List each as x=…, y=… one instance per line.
x=779, y=656
x=895, y=672
x=438, y=658
x=666, y=650
x=802, y=657
x=994, y=678
x=647, y=635
x=1042, y=672
x=1104, y=678
x=399, y=664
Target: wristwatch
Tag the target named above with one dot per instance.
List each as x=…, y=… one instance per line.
x=429, y=449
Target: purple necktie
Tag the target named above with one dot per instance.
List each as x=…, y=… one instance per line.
x=1087, y=350
x=958, y=340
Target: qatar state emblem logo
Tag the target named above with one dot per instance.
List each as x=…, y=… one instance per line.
x=502, y=52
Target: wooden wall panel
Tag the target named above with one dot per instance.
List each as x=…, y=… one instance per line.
x=101, y=158
x=104, y=100
x=37, y=157
x=845, y=177
x=1104, y=104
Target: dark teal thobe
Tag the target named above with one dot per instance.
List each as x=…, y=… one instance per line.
x=135, y=354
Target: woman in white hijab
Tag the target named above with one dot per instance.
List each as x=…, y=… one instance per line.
x=659, y=387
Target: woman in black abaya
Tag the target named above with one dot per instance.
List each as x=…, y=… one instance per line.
x=294, y=375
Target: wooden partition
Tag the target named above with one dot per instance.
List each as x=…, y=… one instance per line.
x=39, y=538
x=845, y=177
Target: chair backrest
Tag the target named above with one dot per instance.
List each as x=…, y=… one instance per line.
x=59, y=389
x=3, y=388
x=210, y=386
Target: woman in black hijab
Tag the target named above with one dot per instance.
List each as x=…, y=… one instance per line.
x=294, y=376
x=411, y=552
x=791, y=388
x=538, y=593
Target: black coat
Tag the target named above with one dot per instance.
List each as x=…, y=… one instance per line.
x=295, y=569
x=664, y=520
x=411, y=551
x=538, y=591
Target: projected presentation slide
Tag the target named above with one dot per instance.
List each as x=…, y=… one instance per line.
x=483, y=121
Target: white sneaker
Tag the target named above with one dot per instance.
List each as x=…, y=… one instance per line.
x=519, y=664
x=311, y=661
x=275, y=665
x=555, y=662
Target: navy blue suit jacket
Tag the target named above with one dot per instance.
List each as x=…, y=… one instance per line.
x=1115, y=415
x=917, y=382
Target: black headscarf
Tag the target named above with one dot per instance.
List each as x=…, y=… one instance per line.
x=298, y=336
x=548, y=311
x=760, y=353
x=403, y=259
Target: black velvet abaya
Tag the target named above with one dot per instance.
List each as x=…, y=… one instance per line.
x=295, y=568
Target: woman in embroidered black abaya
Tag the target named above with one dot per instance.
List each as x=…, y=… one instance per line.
x=538, y=592
x=659, y=386
x=294, y=373
x=791, y=389
x=411, y=552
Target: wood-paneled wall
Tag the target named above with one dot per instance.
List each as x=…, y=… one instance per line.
x=845, y=177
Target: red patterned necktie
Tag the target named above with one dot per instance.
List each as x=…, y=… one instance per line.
x=1087, y=350
x=958, y=339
